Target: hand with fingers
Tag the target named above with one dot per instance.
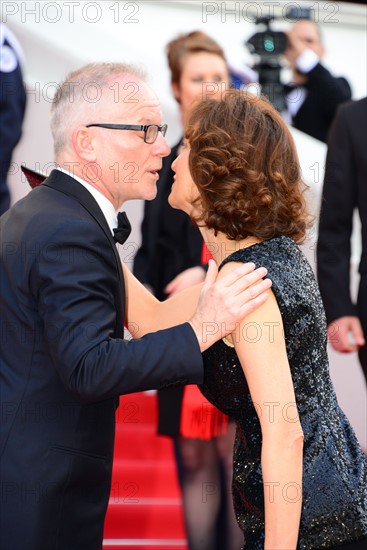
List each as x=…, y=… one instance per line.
x=185, y=279
x=345, y=334
x=223, y=303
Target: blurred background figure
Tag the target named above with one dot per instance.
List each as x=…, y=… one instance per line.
x=12, y=106
x=170, y=260
x=314, y=93
x=344, y=191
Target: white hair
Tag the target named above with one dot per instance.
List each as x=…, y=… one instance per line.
x=78, y=97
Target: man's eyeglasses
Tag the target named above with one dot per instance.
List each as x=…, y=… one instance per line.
x=150, y=130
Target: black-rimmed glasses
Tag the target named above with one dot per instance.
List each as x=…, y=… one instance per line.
x=150, y=130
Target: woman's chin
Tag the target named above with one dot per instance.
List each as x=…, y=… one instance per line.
x=172, y=202
x=179, y=205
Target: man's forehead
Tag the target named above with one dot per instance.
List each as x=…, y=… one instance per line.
x=142, y=108
x=307, y=28
x=131, y=89
x=129, y=96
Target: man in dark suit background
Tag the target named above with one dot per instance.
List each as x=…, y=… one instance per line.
x=12, y=107
x=315, y=93
x=345, y=189
x=63, y=357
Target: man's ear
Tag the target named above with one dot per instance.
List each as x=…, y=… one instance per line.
x=83, y=144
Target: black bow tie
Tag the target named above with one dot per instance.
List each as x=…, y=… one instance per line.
x=123, y=230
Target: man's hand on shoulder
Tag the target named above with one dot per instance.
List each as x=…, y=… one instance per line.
x=224, y=302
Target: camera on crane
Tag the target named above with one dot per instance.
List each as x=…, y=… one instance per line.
x=269, y=46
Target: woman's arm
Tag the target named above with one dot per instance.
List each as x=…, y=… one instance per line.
x=147, y=314
x=260, y=345
x=212, y=309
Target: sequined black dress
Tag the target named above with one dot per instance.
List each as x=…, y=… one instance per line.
x=335, y=468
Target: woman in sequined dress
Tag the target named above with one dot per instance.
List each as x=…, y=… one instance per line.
x=300, y=477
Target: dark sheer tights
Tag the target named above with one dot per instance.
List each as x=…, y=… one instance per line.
x=203, y=491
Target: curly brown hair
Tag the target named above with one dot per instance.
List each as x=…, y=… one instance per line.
x=245, y=165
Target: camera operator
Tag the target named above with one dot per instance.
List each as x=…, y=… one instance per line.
x=314, y=93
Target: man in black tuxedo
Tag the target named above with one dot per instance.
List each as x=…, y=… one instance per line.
x=63, y=357
x=314, y=94
x=345, y=189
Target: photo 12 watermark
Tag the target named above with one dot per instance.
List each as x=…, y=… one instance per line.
x=70, y=12
x=251, y=12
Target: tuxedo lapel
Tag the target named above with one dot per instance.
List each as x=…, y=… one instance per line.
x=69, y=186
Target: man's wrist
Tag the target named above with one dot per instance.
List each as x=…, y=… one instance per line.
x=206, y=333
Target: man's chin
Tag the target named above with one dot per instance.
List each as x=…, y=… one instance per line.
x=151, y=194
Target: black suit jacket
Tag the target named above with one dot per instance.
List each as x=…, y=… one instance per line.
x=63, y=364
x=324, y=94
x=345, y=189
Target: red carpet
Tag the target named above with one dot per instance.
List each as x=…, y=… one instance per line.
x=145, y=510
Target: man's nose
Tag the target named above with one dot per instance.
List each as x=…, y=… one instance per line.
x=162, y=148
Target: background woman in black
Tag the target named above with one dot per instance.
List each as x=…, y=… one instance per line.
x=170, y=260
